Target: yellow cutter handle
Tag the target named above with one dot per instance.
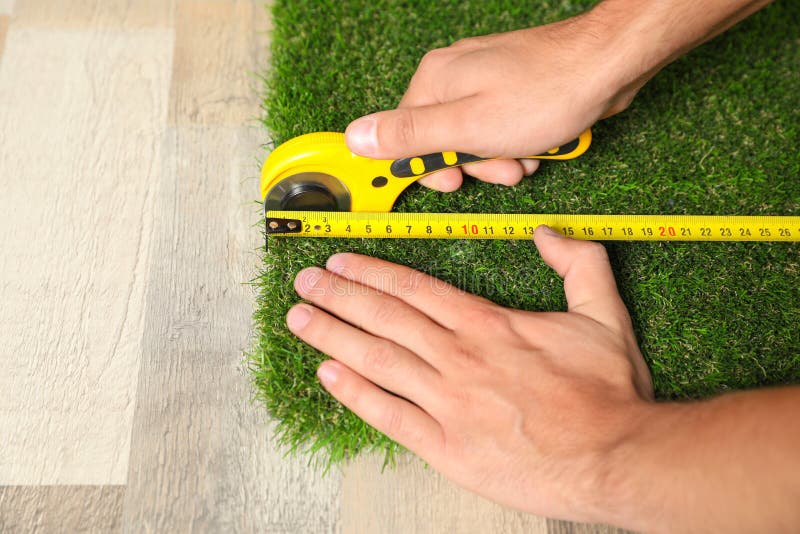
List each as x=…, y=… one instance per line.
x=419, y=165
x=372, y=184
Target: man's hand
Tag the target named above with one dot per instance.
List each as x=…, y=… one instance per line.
x=521, y=93
x=527, y=409
x=550, y=413
x=512, y=95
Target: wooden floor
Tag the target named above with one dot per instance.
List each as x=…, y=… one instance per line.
x=129, y=159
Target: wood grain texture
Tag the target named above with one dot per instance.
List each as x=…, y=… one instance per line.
x=414, y=499
x=217, y=47
x=201, y=456
x=60, y=508
x=4, y=19
x=96, y=14
x=78, y=159
x=6, y=8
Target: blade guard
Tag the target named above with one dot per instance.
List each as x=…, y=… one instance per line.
x=373, y=184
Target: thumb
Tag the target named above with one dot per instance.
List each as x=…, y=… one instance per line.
x=588, y=280
x=414, y=131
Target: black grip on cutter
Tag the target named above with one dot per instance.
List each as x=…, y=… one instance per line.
x=401, y=168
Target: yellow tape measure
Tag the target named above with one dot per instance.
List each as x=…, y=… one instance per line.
x=385, y=225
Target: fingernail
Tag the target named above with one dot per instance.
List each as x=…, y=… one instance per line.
x=298, y=317
x=362, y=136
x=546, y=230
x=327, y=374
x=335, y=263
x=306, y=279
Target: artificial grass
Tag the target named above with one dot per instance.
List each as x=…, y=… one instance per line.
x=716, y=132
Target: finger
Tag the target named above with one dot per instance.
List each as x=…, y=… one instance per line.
x=419, y=93
x=588, y=280
x=420, y=130
x=529, y=166
x=384, y=363
x=372, y=310
x=437, y=299
x=431, y=78
x=398, y=418
x=498, y=171
x=445, y=181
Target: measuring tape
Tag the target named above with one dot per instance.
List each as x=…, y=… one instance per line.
x=391, y=225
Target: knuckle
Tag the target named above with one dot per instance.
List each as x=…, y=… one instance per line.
x=430, y=58
x=401, y=428
x=394, y=422
x=467, y=42
x=407, y=284
x=622, y=103
x=488, y=318
x=404, y=127
x=594, y=251
x=379, y=357
x=386, y=313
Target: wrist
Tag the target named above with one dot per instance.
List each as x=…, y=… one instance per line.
x=630, y=488
x=618, y=54
x=638, y=37
x=634, y=46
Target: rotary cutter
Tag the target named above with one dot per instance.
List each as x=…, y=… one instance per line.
x=317, y=172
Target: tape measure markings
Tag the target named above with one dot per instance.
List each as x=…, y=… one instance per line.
x=393, y=225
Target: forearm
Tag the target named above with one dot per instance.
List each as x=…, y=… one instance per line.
x=642, y=36
x=728, y=464
x=731, y=463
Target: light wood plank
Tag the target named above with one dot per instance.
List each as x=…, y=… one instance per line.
x=6, y=8
x=4, y=19
x=414, y=499
x=82, y=14
x=78, y=162
x=60, y=508
x=216, y=48
x=201, y=456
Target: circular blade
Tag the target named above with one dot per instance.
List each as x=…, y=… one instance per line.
x=308, y=191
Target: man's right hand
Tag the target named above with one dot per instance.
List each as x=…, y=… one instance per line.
x=506, y=95
x=515, y=94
